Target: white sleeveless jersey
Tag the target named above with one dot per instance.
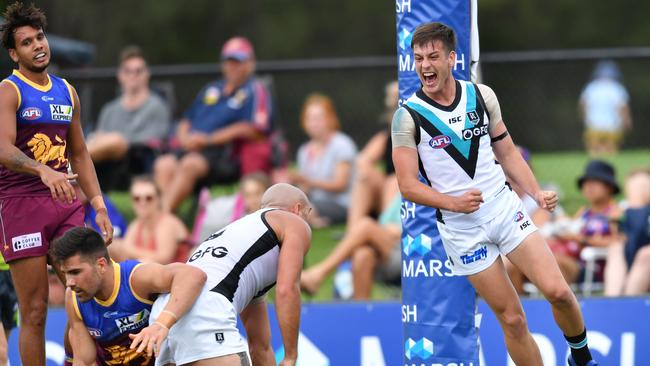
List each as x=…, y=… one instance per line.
x=241, y=260
x=455, y=152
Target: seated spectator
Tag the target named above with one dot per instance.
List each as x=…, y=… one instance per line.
x=131, y=127
x=375, y=183
x=325, y=163
x=374, y=248
x=597, y=220
x=224, y=133
x=154, y=235
x=214, y=214
x=635, y=227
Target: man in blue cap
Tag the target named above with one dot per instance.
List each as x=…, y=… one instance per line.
x=224, y=133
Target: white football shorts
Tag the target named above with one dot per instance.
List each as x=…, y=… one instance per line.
x=471, y=250
x=208, y=330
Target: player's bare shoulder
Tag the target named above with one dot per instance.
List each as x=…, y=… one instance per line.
x=8, y=95
x=284, y=222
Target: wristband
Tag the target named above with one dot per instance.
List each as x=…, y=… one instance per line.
x=166, y=319
x=97, y=202
x=171, y=313
x=161, y=324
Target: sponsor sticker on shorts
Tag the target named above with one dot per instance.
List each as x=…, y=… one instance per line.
x=26, y=241
x=219, y=337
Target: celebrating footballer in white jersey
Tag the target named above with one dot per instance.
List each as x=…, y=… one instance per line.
x=450, y=133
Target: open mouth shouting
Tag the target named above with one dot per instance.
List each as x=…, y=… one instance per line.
x=430, y=78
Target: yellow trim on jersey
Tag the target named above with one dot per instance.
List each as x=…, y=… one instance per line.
x=43, y=88
x=75, y=304
x=69, y=92
x=116, y=287
x=140, y=298
x=20, y=97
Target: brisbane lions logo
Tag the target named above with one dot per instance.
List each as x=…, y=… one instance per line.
x=45, y=151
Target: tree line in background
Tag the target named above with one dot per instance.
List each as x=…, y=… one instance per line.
x=537, y=98
x=174, y=32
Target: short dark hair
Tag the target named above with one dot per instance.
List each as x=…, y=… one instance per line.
x=429, y=32
x=18, y=15
x=81, y=241
x=130, y=52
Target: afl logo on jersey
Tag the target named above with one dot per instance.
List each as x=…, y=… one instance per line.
x=440, y=141
x=95, y=333
x=31, y=113
x=519, y=216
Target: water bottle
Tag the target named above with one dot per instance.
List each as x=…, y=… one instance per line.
x=343, y=285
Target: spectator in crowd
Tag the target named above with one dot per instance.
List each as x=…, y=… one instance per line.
x=634, y=251
x=131, y=127
x=374, y=249
x=8, y=310
x=214, y=214
x=325, y=163
x=375, y=183
x=596, y=220
x=224, y=134
x=604, y=107
x=154, y=235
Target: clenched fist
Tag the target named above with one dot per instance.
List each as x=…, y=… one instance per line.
x=547, y=200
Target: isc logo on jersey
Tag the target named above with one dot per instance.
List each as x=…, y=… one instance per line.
x=61, y=112
x=440, y=141
x=31, y=113
x=469, y=133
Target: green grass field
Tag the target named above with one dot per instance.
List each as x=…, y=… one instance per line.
x=562, y=169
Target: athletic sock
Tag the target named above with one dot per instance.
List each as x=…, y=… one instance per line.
x=68, y=360
x=579, y=349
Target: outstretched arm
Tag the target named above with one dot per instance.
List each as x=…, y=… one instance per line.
x=295, y=236
x=517, y=169
x=83, y=345
x=256, y=321
x=183, y=282
x=82, y=164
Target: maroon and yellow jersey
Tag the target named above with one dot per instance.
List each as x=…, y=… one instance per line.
x=43, y=117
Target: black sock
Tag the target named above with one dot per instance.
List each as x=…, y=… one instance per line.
x=579, y=349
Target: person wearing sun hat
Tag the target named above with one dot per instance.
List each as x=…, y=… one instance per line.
x=225, y=132
x=600, y=171
x=598, y=186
